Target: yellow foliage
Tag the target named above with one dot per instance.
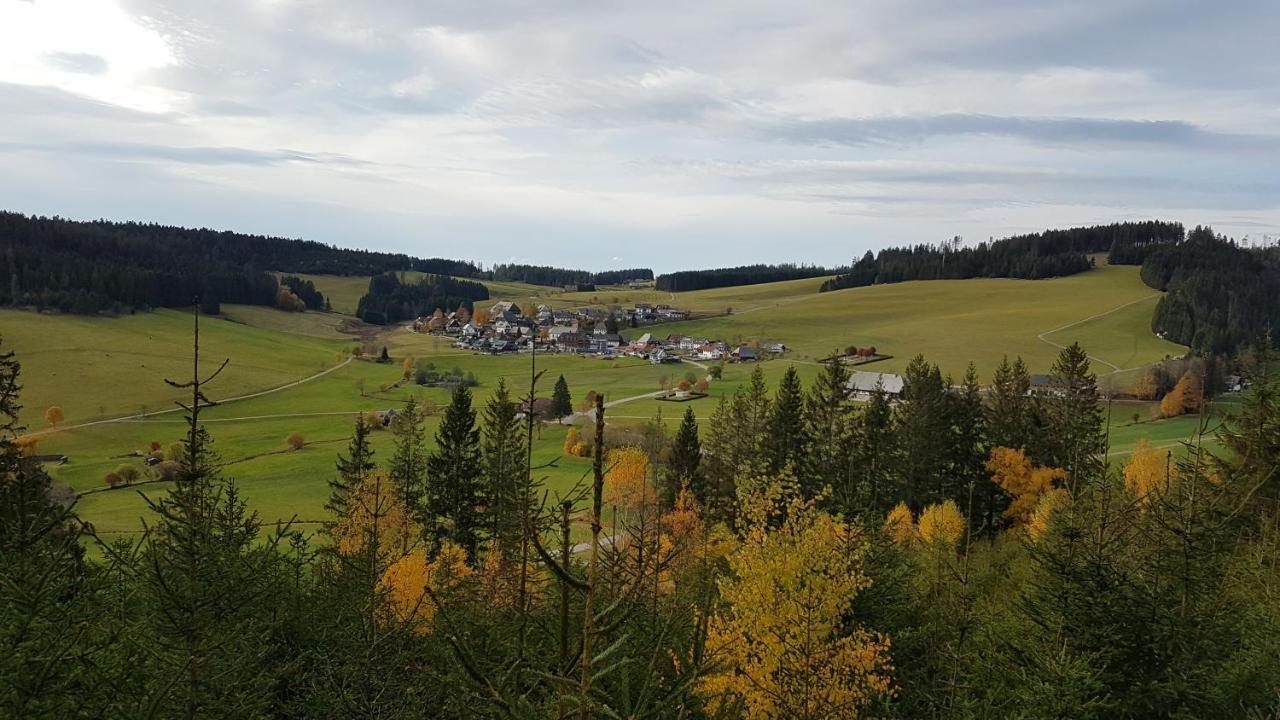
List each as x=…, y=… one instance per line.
x=1042, y=517
x=1011, y=470
x=942, y=524
x=1147, y=472
x=572, y=440
x=54, y=415
x=1184, y=397
x=406, y=581
x=376, y=514
x=26, y=444
x=781, y=637
x=625, y=483
x=500, y=577
x=900, y=525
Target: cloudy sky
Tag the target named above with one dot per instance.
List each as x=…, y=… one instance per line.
x=604, y=134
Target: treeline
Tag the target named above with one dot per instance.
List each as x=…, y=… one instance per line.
x=390, y=301
x=88, y=267
x=560, y=277
x=1052, y=253
x=952, y=554
x=732, y=277
x=1219, y=297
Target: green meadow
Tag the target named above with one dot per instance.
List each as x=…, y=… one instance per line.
x=99, y=367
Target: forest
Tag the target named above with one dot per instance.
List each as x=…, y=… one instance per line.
x=389, y=300
x=957, y=552
x=1051, y=253
x=1219, y=297
x=89, y=267
x=735, y=276
x=560, y=277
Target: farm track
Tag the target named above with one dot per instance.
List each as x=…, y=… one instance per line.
x=1114, y=368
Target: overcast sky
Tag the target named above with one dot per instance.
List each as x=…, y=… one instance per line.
x=603, y=134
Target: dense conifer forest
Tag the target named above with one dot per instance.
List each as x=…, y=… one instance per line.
x=735, y=276
x=559, y=277
x=1052, y=253
x=952, y=553
x=390, y=300
x=87, y=267
x=1219, y=297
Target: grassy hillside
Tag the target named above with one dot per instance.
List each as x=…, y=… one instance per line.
x=954, y=321
x=94, y=367
x=344, y=292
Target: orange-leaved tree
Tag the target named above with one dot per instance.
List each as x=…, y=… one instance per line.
x=1027, y=484
x=901, y=526
x=1147, y=473
x=376, y=515
x=784, y=641
x=54, y=415
x=625, y=483
x=414, y=584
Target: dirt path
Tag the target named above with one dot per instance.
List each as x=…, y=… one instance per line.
x=224, y=401
x=1114, y=368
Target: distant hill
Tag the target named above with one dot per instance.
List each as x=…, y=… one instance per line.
x=560, y=277
x=686, y=280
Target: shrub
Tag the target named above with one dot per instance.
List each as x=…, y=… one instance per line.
x=113, y=480
x=167, y=470
x=295, y=441
x=127, y=473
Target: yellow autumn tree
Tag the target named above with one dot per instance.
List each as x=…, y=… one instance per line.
x=1042, y=517
x=574, y=443
x=900, y=525
x=1146, y=386
x=376, y=515
x=783, y=638
x=942, y=524
x=54, y=415
x=1146, y=475
x=625, y=483
x=406, y=582
x=1025, y=483
x=1184, y=397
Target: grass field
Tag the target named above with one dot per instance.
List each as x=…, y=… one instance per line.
x=96, y=367
x=953, y=322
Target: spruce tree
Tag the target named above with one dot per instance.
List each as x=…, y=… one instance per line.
x=408, y=468
x=1076, y=440
x=786, y=423
x=685, y=466
x=352, y=468
x=503, y=457
x=874, y=460
x=968, y=446
x=561, y=401
x=455, y=491
x=1009, y=406
x=827, y=434
x=923, y=429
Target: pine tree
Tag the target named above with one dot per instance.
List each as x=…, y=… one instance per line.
x=968, y=448
x=752, y=409
x=685, y=466
x=503, y=456
x=561, y=401
x=352, y=469
x=786, y=423
x=408, y=468
x=455, y=491
x=1074, y=416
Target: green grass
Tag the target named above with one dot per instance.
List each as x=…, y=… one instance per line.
x=953, y=322
x=109, y=367
x=95, y=367
x=344, y=291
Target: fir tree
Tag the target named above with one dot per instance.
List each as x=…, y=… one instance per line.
x=685, y=466
x=1074, y=416
x=924, y=432
x=503, y=456
x=827, y=435
x=968, y=448
x=408, y=468
x=455, y=491
x=352, y=469
x=874, y=458
x=561, y=401
x=786, y=423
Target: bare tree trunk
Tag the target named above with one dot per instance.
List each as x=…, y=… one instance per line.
x=597, y=500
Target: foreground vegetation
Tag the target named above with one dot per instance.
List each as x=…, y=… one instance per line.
x=793, y=556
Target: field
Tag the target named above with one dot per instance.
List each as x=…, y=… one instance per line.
x=99, y=368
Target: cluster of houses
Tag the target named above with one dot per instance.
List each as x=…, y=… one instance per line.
x=505, y=327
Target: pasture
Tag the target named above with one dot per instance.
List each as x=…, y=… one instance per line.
x=108, y=367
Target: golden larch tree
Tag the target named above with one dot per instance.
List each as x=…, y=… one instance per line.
x=1025, y=483
x=901, y=526
x=783, y=636
x=410, y=583
x=1146, y=475
x=942, y=524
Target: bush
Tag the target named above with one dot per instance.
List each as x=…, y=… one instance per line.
x=295, y=441
x=167, y=470
x=127, y=473
x=113, y=480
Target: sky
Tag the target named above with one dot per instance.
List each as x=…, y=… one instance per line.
x=598, y=134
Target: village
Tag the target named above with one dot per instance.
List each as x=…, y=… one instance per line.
x=589, y=331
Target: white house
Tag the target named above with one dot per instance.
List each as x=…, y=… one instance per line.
x=862, y=384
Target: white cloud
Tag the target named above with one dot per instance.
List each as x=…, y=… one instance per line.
x=707, y=133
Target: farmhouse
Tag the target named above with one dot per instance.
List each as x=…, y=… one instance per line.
x=743, y=353
x=862, y=384
x=504, y=307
